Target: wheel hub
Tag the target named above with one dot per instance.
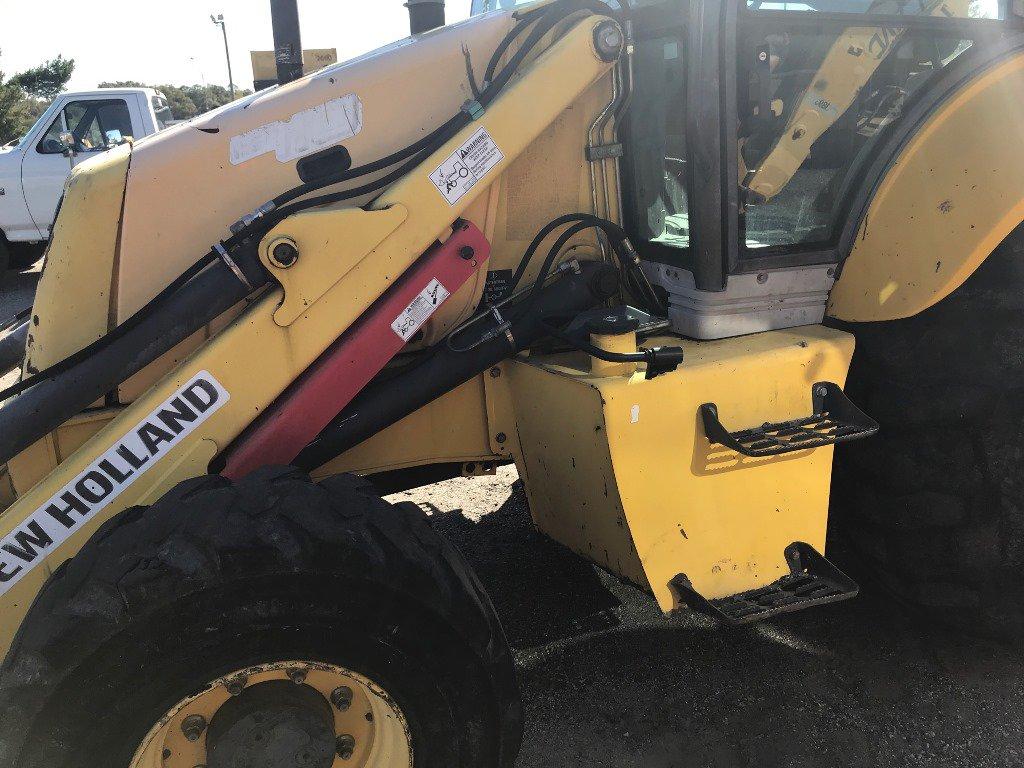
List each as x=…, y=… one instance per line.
x=276, y=724
x=282, y=715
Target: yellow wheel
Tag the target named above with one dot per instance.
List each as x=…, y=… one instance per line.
x=271, y=622
x=291, y=713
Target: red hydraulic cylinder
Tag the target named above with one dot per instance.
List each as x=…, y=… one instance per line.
x=348, y=365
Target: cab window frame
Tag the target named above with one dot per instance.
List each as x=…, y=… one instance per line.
x=92, y=108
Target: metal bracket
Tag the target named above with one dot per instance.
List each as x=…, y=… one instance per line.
x=604, y=152
x=331, y=242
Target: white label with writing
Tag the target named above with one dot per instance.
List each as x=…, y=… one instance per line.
x=107, y=477
x=466, y=166
x=420, y=309
x=303, y=133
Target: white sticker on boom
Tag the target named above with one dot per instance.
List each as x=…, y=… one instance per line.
x=466, y=166
x=303, y=133
x=28, y=545
x=420, y=309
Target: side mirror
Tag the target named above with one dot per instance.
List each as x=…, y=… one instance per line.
x=68, y=143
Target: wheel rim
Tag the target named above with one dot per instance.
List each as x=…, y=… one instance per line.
x=325, y=717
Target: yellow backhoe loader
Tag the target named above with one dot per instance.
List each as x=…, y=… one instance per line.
x=630, y=247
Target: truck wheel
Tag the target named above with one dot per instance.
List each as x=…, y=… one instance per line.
x=934, y=506
x=272, y=623
x=24, y=255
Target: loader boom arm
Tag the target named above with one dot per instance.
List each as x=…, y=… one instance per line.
x=175, y=429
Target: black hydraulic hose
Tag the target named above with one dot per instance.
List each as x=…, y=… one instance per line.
x=104, y=341
x=443, y=370
x=658, y=360
x=561, y=9
x=55, y=399
x=377, y=165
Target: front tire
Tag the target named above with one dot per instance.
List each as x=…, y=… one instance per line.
x=220, y=576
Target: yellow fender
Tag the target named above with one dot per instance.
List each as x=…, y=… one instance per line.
x=950, y=197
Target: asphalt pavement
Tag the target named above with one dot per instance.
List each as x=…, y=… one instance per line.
x=607, y=680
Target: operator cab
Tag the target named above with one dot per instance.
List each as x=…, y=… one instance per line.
x=778, y=113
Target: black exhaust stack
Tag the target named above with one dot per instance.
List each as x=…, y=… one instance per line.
x=425, y=15
x=284, y=15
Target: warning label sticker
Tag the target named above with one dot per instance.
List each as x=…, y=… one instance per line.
x=419, y=311
x=107, y=477
x=466, y=166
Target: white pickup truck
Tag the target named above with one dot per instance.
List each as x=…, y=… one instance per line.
x=34, y=168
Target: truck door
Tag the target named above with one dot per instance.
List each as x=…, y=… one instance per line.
x=44, y=170
x=95, y=125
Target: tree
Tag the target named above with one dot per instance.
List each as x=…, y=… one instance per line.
x=14, y=115
x=185, y=100
x=48, y=79
x=25, y=96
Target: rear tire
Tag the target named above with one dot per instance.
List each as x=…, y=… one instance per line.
x=218, y=576
x=934, y=506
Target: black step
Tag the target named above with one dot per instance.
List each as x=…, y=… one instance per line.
x=812, y=580
x=835, y=420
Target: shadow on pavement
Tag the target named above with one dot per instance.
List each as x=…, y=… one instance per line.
x=609, y=681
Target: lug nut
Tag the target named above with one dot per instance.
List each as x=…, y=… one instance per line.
x=236, y=685
x=297, y=676
x=193, y=727
x=495, y=372
x=284, y=254
x=341, y=697
x=501, y=437
x=345, y=745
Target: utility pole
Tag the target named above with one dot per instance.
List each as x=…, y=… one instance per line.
x=425, y=15
x=284, y=15
x=219, y=21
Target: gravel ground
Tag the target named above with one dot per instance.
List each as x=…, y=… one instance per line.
x=609, y=681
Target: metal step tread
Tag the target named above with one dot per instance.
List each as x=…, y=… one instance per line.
x=812, y=580
x=835, y=420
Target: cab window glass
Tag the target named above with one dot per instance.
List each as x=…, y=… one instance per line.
x=813, y=105
x=51, y=143
x=94, y=126
x=656, y=144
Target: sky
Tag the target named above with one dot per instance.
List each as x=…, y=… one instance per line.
x=159, y=42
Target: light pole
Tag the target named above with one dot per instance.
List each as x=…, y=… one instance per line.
x=219, y=21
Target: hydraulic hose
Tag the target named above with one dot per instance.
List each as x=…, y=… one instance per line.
x=444, y=369
x=52, y=401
